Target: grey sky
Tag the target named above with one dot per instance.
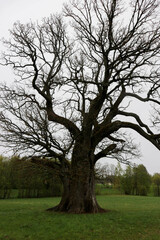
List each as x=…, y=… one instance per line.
x=13, y=10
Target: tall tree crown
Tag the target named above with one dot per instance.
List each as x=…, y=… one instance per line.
x=80, y=79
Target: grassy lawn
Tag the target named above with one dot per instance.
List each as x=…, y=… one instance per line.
x=130, y=217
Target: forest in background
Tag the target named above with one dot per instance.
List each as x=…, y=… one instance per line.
x=20, y=178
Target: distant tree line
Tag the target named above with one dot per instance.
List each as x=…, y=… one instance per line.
x=136, y=180
x=24, y=179
x=132, y=181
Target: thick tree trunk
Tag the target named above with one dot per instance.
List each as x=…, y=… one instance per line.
x=79, y=195
x=79, y=188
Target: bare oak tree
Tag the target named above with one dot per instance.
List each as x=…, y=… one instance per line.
x=72, y=94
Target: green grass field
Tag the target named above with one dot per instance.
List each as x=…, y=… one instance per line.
x=130, y=217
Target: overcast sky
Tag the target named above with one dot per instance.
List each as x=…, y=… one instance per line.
x=13, y=10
